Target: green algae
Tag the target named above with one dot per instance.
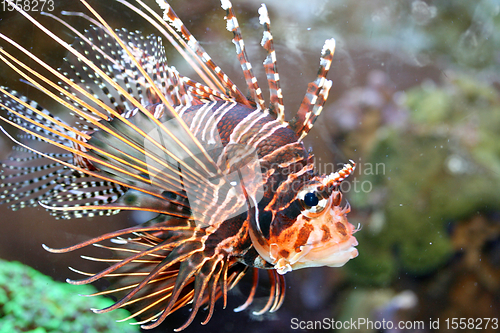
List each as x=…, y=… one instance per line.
x=33, y=302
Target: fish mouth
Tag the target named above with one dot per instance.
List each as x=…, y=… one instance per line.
x=331, y=254
x=335, y=252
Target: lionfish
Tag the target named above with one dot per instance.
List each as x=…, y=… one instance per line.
x=233, y=186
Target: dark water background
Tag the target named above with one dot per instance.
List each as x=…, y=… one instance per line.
x=415, y=101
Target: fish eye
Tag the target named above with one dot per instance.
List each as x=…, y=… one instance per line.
x=311, y=202
x=311, y=199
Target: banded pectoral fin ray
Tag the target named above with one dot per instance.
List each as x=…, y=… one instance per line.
x=150, y=298
x=154, y=272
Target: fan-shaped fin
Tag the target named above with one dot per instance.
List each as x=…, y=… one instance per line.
x=159, y=268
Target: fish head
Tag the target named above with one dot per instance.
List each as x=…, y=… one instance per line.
x=319, y=235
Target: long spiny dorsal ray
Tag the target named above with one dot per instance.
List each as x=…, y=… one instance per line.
x=212, y=81
x=147, y=113
x=316, y=95
x=126, y=94
x=204, y=92
x=233, y=26
x=276, y=95
x=230, y=88
x=163, y=98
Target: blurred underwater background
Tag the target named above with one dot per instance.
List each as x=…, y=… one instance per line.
x=415, y=102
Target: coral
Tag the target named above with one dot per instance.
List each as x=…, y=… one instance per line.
x=32, y=302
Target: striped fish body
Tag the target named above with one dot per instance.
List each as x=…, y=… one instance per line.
x=233, y=186
x=248, y=131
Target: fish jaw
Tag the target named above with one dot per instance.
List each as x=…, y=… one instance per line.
x=324, y=240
